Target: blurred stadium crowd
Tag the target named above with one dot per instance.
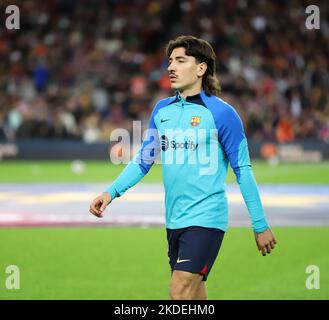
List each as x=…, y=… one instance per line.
x=79, y=69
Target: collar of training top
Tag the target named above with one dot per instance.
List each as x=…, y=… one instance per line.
x=196, y=99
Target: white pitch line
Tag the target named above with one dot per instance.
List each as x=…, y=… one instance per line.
x=302, y=200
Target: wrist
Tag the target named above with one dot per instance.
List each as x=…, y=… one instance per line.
x=261, y=228
x=112, y=192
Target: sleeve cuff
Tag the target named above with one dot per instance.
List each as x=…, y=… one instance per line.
x=262, y=228
x=112, y=191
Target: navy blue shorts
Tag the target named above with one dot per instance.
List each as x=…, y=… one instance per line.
x=194, y=249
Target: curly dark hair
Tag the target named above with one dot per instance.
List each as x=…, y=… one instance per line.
x=202, y=51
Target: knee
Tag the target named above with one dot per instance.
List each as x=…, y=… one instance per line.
x=179, y=291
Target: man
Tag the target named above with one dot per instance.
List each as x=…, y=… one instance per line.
x=185, y=128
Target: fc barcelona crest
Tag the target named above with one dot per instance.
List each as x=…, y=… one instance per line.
x=195, y=121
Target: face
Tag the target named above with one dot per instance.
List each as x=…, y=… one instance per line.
x=184, y=71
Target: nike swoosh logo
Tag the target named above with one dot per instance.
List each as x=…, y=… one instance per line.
x=180, y=261
x=164, y=120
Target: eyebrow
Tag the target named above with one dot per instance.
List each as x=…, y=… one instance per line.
x=178, y=57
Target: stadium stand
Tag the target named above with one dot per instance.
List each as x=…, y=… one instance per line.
x=78, y=70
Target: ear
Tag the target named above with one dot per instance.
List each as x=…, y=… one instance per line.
x=202, y=68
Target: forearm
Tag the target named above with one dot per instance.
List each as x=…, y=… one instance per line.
x=130, y=176
x=250, y=193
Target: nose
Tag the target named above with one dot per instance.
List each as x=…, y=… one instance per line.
x=171, y=67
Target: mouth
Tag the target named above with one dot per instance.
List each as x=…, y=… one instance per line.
x=172, y=77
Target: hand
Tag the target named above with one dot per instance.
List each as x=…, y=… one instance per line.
x=99, y=204
x=265, y=241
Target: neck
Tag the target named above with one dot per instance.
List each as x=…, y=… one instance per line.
x=191, y=91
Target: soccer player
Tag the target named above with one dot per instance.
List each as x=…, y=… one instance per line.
x=187, y=129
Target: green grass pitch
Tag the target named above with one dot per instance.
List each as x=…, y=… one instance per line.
x=131, y=263
x=102, y=171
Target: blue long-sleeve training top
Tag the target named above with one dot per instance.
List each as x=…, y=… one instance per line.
x=197, y=138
